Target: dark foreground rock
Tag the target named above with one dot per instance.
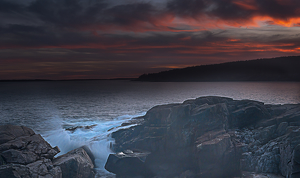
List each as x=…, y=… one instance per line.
x=24, y=154
x=75, y=163
x=128, y=164
x=215, y=137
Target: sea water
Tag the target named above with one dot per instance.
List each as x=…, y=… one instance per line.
x=50, y=108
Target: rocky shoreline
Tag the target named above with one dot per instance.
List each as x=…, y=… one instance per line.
x=24, y=154
x=210, y=137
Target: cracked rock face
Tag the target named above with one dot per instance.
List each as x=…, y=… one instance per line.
x=217, y=137
x=75, y=163
x=24, y=154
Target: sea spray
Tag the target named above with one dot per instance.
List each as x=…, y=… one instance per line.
x=96, y=134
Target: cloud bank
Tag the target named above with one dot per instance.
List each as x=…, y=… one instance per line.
x=62, y=39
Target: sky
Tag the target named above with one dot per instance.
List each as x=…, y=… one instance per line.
x=97, y=39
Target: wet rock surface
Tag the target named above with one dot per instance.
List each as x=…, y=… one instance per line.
x=24, y=154
x=73, y=129
x=217, y=137
x=75, y=163
x=129, y=164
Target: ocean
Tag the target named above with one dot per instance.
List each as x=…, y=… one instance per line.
x=51, y=107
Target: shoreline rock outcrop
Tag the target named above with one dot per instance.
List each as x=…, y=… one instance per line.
x=129, y=163
x=213, y=137
x=24, y=154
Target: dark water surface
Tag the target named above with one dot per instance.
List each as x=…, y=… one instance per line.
x=50, y=107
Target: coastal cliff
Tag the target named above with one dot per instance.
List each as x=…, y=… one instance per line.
x=210, y=137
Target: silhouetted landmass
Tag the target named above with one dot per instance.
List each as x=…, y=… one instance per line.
x=273, y=69
x=48, y=80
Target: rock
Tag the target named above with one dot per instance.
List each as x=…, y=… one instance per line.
x=75, y=163
x=73, y=129
x=38, y=169
x=89, y=152
x=260, y=175
x=187, y=174
x=211, y=156
x=216, y=137
x=281, y=130
x=44, y=168
x=128, y=164
x=247, y=116
x=133, y=121
x=14, y=171
x=10, y=132
x=24, y=154
x=26, y=149
x=16, y=156
x=170, y=133
x=296, y=162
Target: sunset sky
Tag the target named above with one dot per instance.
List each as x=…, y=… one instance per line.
x=94, y=39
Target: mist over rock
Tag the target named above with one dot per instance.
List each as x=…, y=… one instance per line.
x=24, y=154
x=213, y=137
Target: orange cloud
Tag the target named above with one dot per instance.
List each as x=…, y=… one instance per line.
x=239, y=47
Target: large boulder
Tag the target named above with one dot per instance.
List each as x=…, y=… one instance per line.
x=128, y=164
x=40, y=169
x=216, y=137
x=24, y=154
x=75, y=163
x=247, y=114
x=27, y=149
x=212, y=154
x=173, y=134
x=10, y=132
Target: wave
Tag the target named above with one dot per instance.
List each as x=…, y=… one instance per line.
x=96, y=134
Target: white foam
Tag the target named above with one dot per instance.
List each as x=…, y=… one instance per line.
x=97, y=138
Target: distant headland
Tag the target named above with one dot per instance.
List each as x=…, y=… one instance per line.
x=271, y=69
x=48, y=80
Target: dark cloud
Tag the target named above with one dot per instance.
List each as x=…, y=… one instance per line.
x=6, y=6
x=68, y=13
x=187, y=8
x=23, y=36
x=224, y=9
x=227, y=10
x=131, y=14
x=78, y=14
x=282, y=9
x=71, y=22
x=101, y=14
x=235, y=9
x=95, y=14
